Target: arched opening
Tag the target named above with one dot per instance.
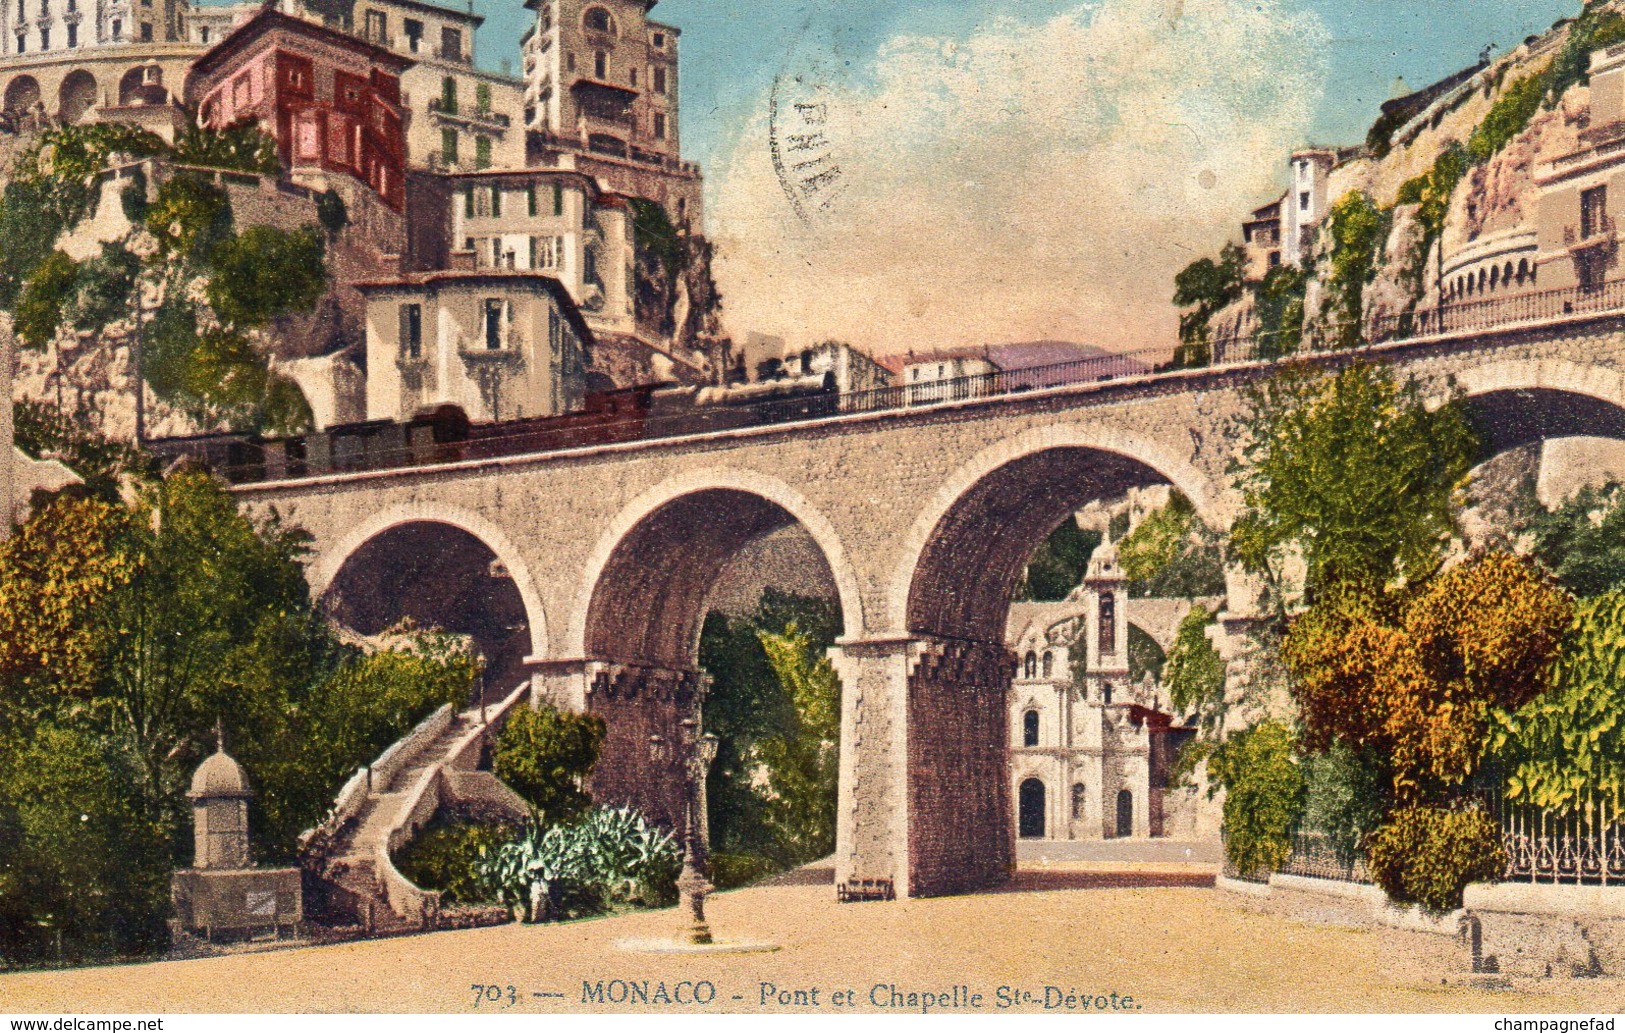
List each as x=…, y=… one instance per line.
x=1125, y=814
x=1031, y=810
x=712, y=603
x=22, y=94
x=76, y=96
x=1080, y=801
x=144, y=85
x=1029, y=728
x=959, y=601
x=597, y=19
x=1029, y=666
x=1049, y=663
x=437, y=576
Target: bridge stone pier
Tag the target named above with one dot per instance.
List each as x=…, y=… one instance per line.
x=925, y=516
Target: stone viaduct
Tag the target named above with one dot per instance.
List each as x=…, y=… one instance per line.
x=925, y=517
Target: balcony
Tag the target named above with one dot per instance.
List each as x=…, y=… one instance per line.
x=463, y=116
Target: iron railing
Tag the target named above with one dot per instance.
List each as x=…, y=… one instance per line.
x=1580, y=846
x=1316, y=856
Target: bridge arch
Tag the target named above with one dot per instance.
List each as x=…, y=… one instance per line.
x=717, y=483
x=324, y=572
x=996, y=477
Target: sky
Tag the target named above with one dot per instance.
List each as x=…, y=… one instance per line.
x=1012, y=171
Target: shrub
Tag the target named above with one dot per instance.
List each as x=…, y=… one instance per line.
x=730, y=871
x=567, y=871
x=1428, y=855
x=265, y=272
x=45, y=295
x=545, y=755
x=1264, y=793
x=448, y=856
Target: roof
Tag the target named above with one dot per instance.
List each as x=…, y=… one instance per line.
x=219, y=777
x=270, y=20
x=560, y=293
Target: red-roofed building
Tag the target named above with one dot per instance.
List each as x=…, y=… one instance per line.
x=332, y=101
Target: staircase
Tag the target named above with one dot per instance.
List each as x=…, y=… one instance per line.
x=384, y=805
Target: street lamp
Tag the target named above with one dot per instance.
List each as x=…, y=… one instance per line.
x=696, y=753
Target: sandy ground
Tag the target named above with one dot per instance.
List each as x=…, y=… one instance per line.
x=1168, y=947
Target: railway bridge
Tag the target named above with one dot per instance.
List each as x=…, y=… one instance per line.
x=924, y=515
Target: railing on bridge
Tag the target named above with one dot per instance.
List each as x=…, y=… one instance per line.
x=398, y=446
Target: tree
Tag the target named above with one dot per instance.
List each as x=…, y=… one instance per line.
x=1564, y=749
x=264, y=272
x=1357, y=229
x=545, y=755
x=1204, y=287
x=1194, y=674
x=1057, y=566
x=1264, y=791
x=1415, y=678
x=1582, y=541
x=803, y=763
x=1354, y=472
x=1172, y=554
x=44, y=299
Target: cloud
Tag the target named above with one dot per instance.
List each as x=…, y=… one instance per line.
x=1024, y=181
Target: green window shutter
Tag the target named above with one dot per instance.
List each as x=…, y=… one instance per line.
x=468, y=202
x=558, y=199
x=496, y=201
x=531, y=195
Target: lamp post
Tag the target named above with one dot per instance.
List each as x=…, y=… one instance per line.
x=697, y=753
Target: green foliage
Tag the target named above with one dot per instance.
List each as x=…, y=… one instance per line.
x=190, y=217
x=1278, y=305
x=166, y=352
x=1354, y=471
x=285, y=411
x=1058, y=565
x=1145, y=657
x=655, y=235
x=133, y=198
x=1565, y=748
x=330, y=211
x=105, y=285
x=606, y=858
x=803, y=762
x=1428, y=855
x=1582, y=541
x=1194, y=674
x=448, y=856
x=1346, y=794
x=1204, y=287
x=1264, y=794
x=44, y=297
x=264, y=272
x=1357, y=229
x=1507, y=117
x=751, y=704
x=545, y=755
x=731, y=871
x=1172, y=554
x=43, y=430
x=243, y=147
x=29, y=229
x=1596, y=28
x=82, y=874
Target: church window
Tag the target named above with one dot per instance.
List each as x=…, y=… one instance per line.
x=1031, y=668
x=598, y=20
x=1080, y=796
x=1049, y=663
x=1108, y=623
x=600, y=65
x=1029, y=728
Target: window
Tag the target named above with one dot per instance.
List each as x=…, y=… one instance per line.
x=589, y=267
x=73, y=35
x=634, y=74
x=45, y=37
x=530, y=200
x=1049, y=663
x=118, y=29
x=448, y=95
x=1080, y=799
x=558, y=199
x=1106, y=693
x=202, y=34
x=482, y=97
x=1108, y=623
x=1029, y=728
x=146, y=32
x=1593, y=212
x=414, y=34
x=660, y=41
x=660, y=80
x=22, y=42
x=1030, y=667
x=1275, y=259
x=660, y=126
x=448, y=146
x=496, y=196
x=1303, y=201
x=451, y=44
x=598, y=20
x=570, y=61
x=378, y=27
x=600, y=65
x=482, y=154
x=493, y=323
x=468, y=205
x=412, y=331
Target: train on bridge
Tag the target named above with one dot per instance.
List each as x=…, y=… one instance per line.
x=445, y=434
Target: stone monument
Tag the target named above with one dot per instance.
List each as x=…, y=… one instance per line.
x=223, y=896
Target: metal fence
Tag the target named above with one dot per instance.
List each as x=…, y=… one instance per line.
x=1585, y=845
x=1316, y=855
